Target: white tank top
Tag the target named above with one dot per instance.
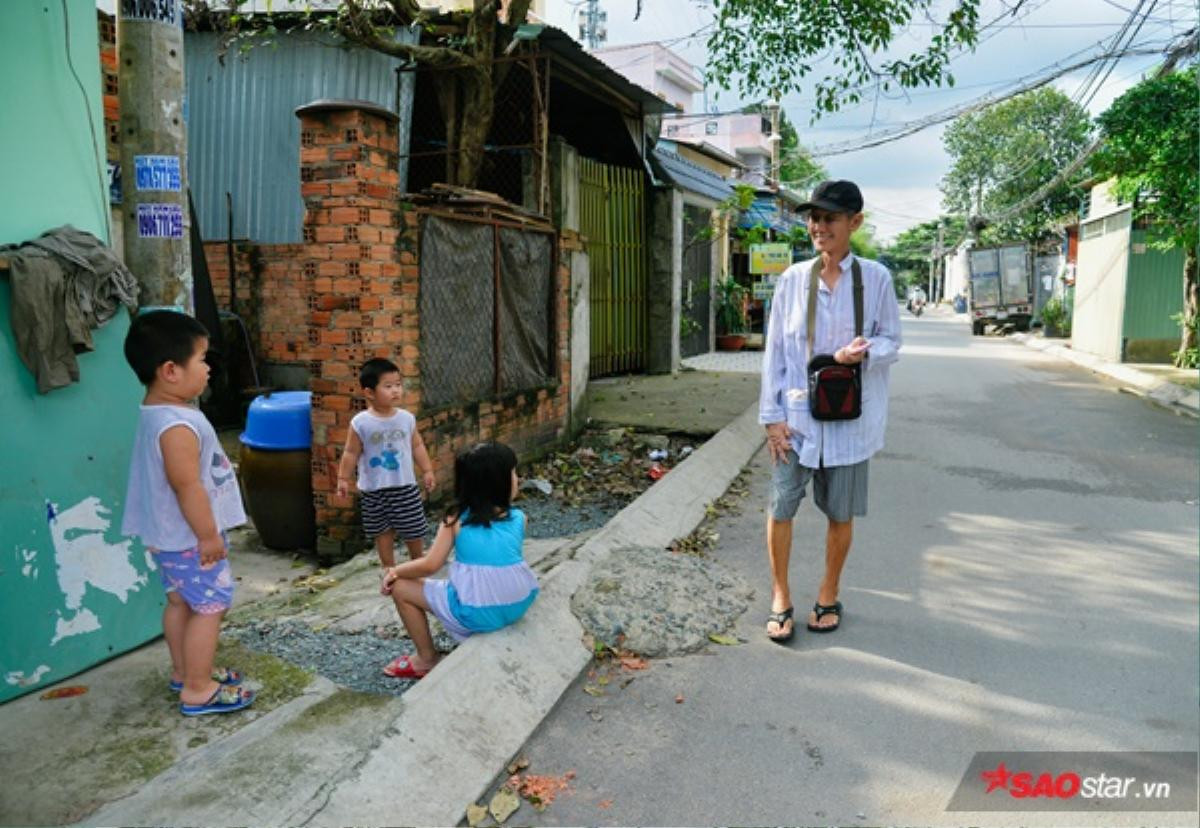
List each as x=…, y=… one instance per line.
x=386, y=459
x=151, y=508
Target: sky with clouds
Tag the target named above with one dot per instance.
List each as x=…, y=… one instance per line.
x=900, y=179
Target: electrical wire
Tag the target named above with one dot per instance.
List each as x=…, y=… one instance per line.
x=87, y=106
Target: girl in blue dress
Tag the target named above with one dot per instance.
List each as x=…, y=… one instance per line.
x=490, y=585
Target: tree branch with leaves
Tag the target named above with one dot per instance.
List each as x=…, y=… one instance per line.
x=768, y=49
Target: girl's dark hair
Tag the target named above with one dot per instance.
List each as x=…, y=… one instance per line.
x=161, y=336
x=483, y=484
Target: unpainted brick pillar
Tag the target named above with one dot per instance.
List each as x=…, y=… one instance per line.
x=360, y=301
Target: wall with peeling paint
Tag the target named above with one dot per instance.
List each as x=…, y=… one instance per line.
x=73, y=591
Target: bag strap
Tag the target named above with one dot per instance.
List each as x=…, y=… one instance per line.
x=811, y=326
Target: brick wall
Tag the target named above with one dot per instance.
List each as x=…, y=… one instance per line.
x=359, y=275
x=272, y=299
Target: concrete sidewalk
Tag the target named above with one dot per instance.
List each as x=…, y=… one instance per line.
x=1154, y=382
x=1141, y=380
x=325, y=755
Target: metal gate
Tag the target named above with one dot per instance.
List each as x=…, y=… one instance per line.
x=697, y=281
x=612, y=215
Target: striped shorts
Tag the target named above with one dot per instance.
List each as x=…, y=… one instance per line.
x=840, y=491
x=398, y=508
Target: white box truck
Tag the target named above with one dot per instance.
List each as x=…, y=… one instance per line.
x=1000, y=289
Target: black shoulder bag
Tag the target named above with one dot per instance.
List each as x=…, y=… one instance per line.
x=834, y=389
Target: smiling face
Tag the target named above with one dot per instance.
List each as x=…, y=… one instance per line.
x=830, y=231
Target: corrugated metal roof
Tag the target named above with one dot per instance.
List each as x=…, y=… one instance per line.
x=244, y=136
x=688, y=176
x=765, y=211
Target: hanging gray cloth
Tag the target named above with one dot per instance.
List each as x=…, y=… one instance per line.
x=64, y=284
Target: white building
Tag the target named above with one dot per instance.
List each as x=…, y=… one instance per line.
x=655, y=67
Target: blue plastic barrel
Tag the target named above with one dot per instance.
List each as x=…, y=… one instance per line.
x=279, y=421
x=276, y=469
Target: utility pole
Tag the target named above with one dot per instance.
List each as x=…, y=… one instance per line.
x=940, y=254
x=593, y=27
x=153, y=140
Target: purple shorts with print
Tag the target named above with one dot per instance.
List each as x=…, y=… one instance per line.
x=206, y=590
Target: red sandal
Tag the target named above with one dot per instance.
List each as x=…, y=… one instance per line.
x=402, y=667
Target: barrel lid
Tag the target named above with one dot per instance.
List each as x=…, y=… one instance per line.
x=279, y=421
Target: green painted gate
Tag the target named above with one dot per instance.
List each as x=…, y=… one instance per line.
x=612, y=215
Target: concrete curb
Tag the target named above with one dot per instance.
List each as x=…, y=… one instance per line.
x=422, y=758
x=1161, y=391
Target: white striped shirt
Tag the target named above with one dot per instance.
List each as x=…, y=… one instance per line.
x=784, y=395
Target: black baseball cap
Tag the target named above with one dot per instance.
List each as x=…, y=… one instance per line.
x=836, y=197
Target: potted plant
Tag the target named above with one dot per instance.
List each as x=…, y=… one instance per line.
x=731, y=315
x=1054, y=319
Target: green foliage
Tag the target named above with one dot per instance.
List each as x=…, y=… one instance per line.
x=1003, y=153
x=912, y=248
x=862, y=243
x=1155, y=170
x=1189, y=356
x=1151, y=144
x=756, y=234
x=1054, y=315
x=731, y=298
x=797, y=169
x=769, y=47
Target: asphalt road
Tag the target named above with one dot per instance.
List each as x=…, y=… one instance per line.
x=1026, y=580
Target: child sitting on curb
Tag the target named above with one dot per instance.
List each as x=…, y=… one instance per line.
x=181, y=498
x=490, y=585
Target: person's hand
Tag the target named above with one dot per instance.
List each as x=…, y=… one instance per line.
x=343, y=487
x=429, y=480
x=212, y=549
x=779, y=442
x=853, y=353
x=389, y=578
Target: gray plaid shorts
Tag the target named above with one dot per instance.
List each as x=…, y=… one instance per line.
x=840, y=491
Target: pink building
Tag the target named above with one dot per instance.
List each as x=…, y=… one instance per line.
x=746, y=137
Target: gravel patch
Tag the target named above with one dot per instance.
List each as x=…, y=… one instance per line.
x=548, y=518
x=659, y=603
x=352, y=661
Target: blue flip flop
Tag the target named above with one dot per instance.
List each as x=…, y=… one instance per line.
x=230, y=678
x=227, y=699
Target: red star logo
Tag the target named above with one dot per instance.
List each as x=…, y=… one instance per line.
x=997, y=778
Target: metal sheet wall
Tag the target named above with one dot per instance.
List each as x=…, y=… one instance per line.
x=243, y=134
x=1154, y=290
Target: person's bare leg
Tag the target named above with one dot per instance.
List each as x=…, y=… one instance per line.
x=412, y=607
x=199, y=650
x=779, y=551
x=837, y=548
x=385, y=545
x=416, y=548
x=174, y=621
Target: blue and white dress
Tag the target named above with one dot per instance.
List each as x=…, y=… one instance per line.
x=490, y=585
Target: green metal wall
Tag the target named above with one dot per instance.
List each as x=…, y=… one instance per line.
x=73, y=592
x=1153, y=290
x=612, y=216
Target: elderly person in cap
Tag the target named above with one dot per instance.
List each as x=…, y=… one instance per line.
x=815, y=311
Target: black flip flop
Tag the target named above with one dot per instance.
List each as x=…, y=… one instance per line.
x=782, y=618
x=822, y=610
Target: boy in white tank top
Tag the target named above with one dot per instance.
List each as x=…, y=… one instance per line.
x=382, y=447
x=181, y=498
